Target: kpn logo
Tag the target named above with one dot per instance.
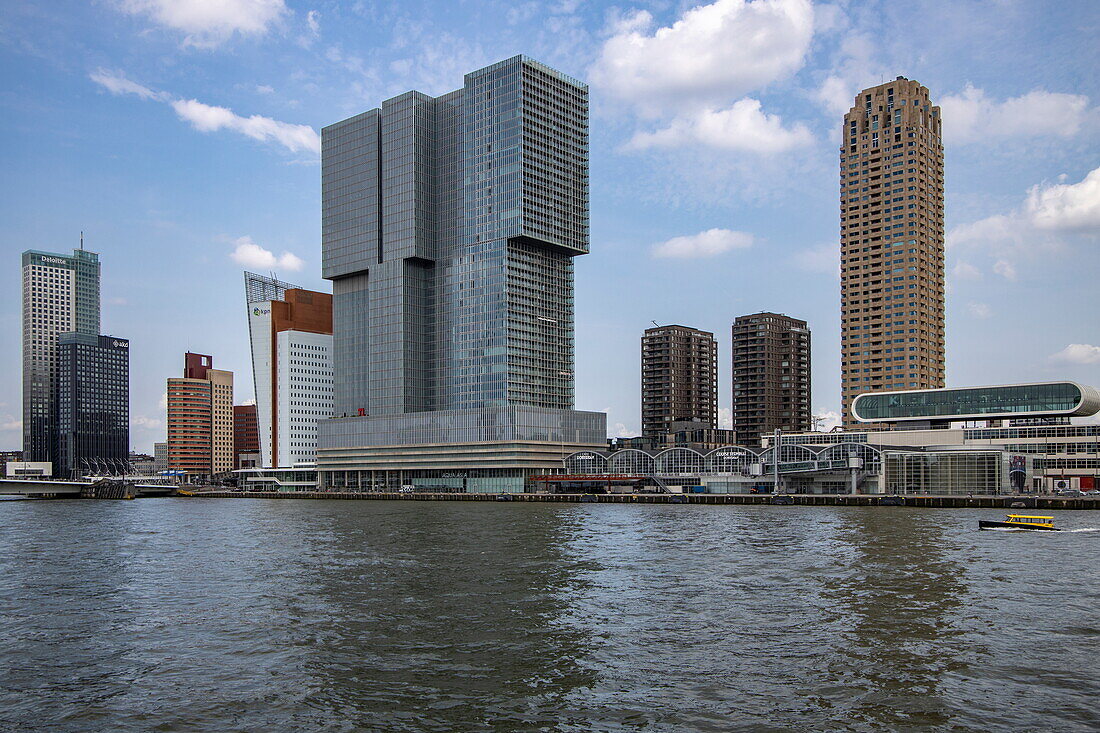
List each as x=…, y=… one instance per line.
x=260, y=311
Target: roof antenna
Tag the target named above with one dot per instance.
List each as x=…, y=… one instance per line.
x=81, y=240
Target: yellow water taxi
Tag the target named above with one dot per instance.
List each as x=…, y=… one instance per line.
x=1020, y=521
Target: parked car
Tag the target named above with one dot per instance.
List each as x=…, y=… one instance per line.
x=1069, y=492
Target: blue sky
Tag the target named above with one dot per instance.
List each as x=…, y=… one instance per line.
x=181, y=136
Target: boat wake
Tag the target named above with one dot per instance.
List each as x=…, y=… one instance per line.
x=1083, y=529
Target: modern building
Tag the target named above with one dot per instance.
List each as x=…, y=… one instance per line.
x=1024, y=420
x=160, y=457
x=848, y=467
x=449, y=227
x=771, y=376
x=200, y=419
x=290, y=331
x=246, y=435
x=892, y=243
x=679, y=378
x=60, y=295
x=93, y=405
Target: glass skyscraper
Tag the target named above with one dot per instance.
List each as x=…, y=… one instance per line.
x=449, y=227
x=93, y=405
x=60, y=295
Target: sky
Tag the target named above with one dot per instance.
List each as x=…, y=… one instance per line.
x=181, y=136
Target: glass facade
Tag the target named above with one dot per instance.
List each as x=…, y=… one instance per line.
x=959, y=404
x=60, y=295
x=963, y=472
x=448, y=227
x=93, y=405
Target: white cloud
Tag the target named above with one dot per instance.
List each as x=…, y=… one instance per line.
x=744, y=127
x=265, y=89
x=620, y=430
x=1066, y=207
x=713, y=54
x=826, y=420
x=1005, y=269
x=973, y=117
x=207, y=118
x=725, y=418
x=145, y=423
x=252, y=255
x=704, y=244
x=10, y=423
x=118, y=301
x=979, y=310
x=853, y=69
x=208, y=23
x=116, y=83
x=1049, y=209
x=162, y=403
x=313, y=21
x=1078, y=354
x=966, y=271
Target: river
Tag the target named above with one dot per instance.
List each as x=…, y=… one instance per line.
x=279, y=615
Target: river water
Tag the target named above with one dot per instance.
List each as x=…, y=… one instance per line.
x=273, y=615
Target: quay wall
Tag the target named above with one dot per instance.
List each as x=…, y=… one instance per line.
x=960, y=502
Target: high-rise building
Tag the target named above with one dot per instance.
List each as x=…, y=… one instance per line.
x=291, y=336
x=892, y=243
x=93, y=405
x=60, y=295
x=200, y=419
x=771, y=376
x=679, y=379
x=160, y=457
x=449, y=227
x=246, y=434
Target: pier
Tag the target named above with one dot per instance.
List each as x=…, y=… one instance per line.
x=940, y=501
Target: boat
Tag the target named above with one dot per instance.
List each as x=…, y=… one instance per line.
x=13, y=497
x=1020, y=521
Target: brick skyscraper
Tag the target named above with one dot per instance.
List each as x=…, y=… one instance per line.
x=892, y=242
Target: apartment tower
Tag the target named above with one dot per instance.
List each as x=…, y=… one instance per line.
x=291, y=333
x=892, y=243
x=60, y=295
x=679, y=379
x=449, y=228
x=93, y=405
x=200, y=419
x=246, y=436
x=771, y=376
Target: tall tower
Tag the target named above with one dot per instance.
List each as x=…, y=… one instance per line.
x=200, y=419
x=892, y=243
x=679, y=378
x=60, y=295
x=449, y=227
x=771, y=376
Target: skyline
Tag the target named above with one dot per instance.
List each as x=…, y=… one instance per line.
x=221, y=192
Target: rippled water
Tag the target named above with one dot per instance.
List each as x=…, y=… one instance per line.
x=267, y=615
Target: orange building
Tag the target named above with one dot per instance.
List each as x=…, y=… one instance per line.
x=200, y=419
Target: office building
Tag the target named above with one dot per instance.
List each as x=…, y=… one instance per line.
x=246, y=435
x=60, y=295
x=771, y=376
x=679, y=379
x=93, y=405
x=449, y=227
x=290, y=329
x=200, y=419
x=160, y=457
x=892, y=243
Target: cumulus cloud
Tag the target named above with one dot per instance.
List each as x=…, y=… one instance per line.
x=145, y=423
x=710, y=243
x=208, y=23
x=744, y=127
x=713, y=54
x=979, y=310
x=10, y=423
x=252, y=255
x=116, y=83
x=1078, y=354
x=207, y=118
x=1048, y=211
x=826, y=420
x=972, y=116
x=854, y=67
x=313, y=20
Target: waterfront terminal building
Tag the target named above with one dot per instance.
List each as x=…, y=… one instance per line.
x=449, y=228
x=1037, y=450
